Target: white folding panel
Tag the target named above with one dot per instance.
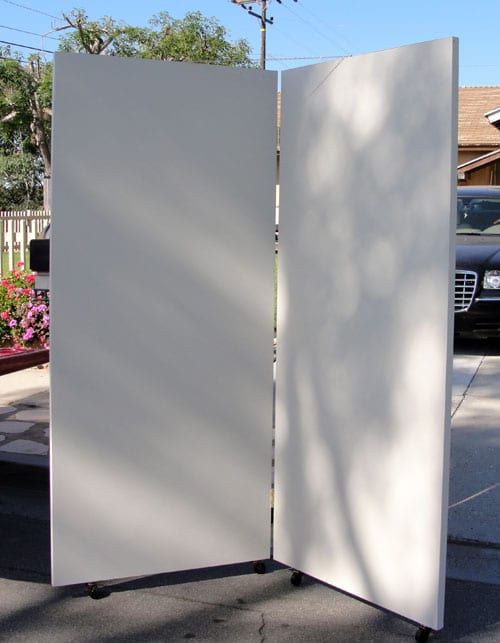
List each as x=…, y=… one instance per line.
x=368, y=171
x=162, y=316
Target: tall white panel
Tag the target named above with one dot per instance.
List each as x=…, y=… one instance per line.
x=368, y=170
x=162, y=316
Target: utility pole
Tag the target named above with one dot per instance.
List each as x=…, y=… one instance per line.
x=264, y=21
x=262, y=63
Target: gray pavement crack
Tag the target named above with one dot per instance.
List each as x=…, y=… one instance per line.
x=468, y=386
x=261, y=628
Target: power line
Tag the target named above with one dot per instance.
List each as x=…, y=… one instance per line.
x=16, y=44
x=313, y=26
x=320, y=20
x=22, y=6
x=295, y=41
x=301, y=58
x=31, y=33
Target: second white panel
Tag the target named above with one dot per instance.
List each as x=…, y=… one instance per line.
x=368, y=150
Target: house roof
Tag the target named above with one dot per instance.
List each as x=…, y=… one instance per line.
x=474, y=128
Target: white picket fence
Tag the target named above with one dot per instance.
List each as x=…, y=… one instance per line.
x=17, y=229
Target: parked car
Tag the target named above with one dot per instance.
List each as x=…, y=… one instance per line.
x=477, y=276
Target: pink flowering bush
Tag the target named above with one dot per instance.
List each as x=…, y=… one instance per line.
x=24, y=314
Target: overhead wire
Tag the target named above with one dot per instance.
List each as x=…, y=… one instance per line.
x=305, y=8
x=313, y=26
x=23, y=6
x=271, y=57
x=17, y=44
x=293, y=39
x=30, y=33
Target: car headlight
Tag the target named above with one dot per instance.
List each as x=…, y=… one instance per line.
x=492, y=279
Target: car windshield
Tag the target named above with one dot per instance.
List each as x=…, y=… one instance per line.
x=478, y=215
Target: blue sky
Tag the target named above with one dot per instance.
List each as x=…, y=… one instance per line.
x=303, y=31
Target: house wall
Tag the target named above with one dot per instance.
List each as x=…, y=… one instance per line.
x=482, y=176
x=468, y=155
x=487, y=175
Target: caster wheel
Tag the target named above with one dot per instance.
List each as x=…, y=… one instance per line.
x=259, y=567
x=422, y=634
x=95, y=592
x=296, y=578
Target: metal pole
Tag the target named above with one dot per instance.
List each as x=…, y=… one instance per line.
x=262, y=64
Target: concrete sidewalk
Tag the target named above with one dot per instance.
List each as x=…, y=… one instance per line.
x=474, y=506
x=24, y=416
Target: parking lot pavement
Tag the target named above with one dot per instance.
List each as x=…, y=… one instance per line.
x=231, y=604
x=220, y=604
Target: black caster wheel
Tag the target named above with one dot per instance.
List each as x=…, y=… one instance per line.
x=296, y=578
x=422, y=634
x=95, y=592
x=259, y=567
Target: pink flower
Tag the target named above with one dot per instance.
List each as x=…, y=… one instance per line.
x=28, y=334
x=19, y=264
x=12, y=323
x=4, y=315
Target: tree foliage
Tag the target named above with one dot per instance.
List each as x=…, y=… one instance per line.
x=20, y=181
x=194, y=38
x=25, y=110
x=95, y=36
x=26, y=87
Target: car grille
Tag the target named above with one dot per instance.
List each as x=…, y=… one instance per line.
x=465, y=287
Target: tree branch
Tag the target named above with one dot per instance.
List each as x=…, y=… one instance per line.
x=8, y=117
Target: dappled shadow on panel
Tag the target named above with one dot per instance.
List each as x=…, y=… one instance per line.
x=363, y=326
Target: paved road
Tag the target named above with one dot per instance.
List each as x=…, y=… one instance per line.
x=228, y=604
x=232, y=604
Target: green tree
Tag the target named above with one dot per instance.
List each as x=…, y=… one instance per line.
x=105, y=36
x=25, y=111
x=194, y=38
x=20, y=181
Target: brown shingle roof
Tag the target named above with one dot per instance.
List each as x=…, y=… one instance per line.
x=473, y=127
